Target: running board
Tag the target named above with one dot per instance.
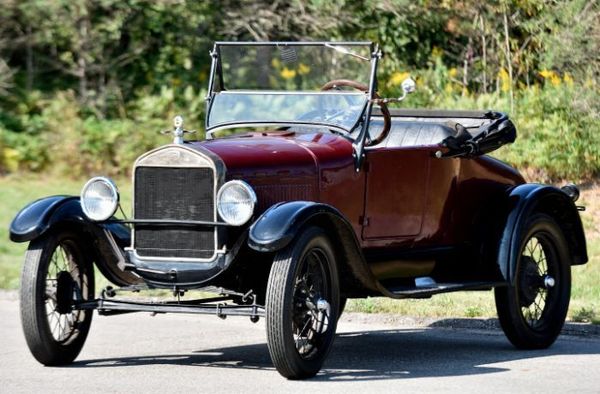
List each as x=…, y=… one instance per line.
x=432, y=288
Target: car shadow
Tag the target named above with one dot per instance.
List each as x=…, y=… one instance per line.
x=376, y=355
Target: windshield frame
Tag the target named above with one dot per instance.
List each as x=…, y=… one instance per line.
x=217, y=72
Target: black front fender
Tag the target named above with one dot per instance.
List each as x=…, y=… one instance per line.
x=525, y=200
x=105, y=240
x=37, y=217
x=280, y=224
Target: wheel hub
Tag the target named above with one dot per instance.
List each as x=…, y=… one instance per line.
x=64, y=292
x=530, y=281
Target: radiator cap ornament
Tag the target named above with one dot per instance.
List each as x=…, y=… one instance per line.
x=178, y=130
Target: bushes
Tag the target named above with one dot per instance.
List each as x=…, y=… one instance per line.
x=557, y=119
x=558, y=127
x=69, y=141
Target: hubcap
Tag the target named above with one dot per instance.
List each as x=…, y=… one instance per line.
x=549, y=282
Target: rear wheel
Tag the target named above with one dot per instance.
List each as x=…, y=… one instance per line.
x=302, y=305
x=56, y=274
x=532, y=311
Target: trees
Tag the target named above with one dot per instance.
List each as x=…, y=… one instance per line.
x=142, y=60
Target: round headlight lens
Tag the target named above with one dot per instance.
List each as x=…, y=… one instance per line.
x=99, y=198
x=235, y=202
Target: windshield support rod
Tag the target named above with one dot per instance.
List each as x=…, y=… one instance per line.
x=359, y=143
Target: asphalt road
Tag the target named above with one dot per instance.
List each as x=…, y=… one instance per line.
x=180, y=353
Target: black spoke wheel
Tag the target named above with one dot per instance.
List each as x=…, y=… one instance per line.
x=532, y=311
x=302, y=305
x=56, y=275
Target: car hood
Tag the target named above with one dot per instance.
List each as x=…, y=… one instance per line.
x=256, y=155
x=282, y=166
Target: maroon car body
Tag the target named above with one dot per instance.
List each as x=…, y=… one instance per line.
x=315, y=197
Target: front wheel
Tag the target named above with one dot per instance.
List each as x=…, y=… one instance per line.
x=57, y=273
x=302, y=305
x=532, y=311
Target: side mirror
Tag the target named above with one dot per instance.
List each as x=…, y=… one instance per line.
x=408, y=86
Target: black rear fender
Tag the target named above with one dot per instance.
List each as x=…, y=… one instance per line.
x=526, y=200
x=104, y=240
x=282, y=223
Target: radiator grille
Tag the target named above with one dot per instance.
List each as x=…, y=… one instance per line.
x=175, y=194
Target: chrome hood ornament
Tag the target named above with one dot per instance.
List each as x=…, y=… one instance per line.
x=178, y=130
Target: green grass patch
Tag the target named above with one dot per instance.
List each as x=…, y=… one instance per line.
x=17, y=191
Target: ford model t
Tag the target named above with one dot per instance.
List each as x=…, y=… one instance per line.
x=307, y=190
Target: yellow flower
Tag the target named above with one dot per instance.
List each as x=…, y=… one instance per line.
x=437, y=52
x=504, y=80
x=286, y=73
x=568, y=79
x=397, y=78
x=448, y=88
x=547, y=73
x=303, y=69
x=555, y=80
x=453, y=72
x=11, y=159
x=275, y=63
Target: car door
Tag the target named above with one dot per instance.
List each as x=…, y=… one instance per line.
x=396, y=191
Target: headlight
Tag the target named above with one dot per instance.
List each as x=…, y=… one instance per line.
x=99, y=198
x=235, y=202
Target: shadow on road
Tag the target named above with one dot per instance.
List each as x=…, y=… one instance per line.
x=375, y=355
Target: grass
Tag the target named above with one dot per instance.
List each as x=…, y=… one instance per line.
x=16, y=191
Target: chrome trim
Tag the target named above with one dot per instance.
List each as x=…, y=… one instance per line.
x=292, y=43
x=174, y=155
x=154, y=158
x=312, y=125
x=293, y=92
x=113, y=188
x=245, y=186
x=166, y=222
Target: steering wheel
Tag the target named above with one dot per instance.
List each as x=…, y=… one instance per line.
x=387, y=118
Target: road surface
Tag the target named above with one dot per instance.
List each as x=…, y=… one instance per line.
x=181, y=353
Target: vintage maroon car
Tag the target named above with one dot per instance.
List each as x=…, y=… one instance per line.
x=307, y=191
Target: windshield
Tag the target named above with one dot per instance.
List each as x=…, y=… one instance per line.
x=281, y=84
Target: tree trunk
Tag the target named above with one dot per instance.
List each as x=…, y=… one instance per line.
x=29, y=60
x=508, y=61
x=483, y=54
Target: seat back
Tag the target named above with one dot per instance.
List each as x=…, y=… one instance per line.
x=406, y=133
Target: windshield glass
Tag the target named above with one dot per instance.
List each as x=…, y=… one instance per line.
x=280, y=83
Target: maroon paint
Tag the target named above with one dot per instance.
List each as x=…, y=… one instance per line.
x=405, y=196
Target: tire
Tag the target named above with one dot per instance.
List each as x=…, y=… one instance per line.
x=302, y=290
x=55, y=274
x=532, y=311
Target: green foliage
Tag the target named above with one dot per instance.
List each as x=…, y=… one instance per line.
x=584, y=315
x=473, y=311
x=86, y=85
